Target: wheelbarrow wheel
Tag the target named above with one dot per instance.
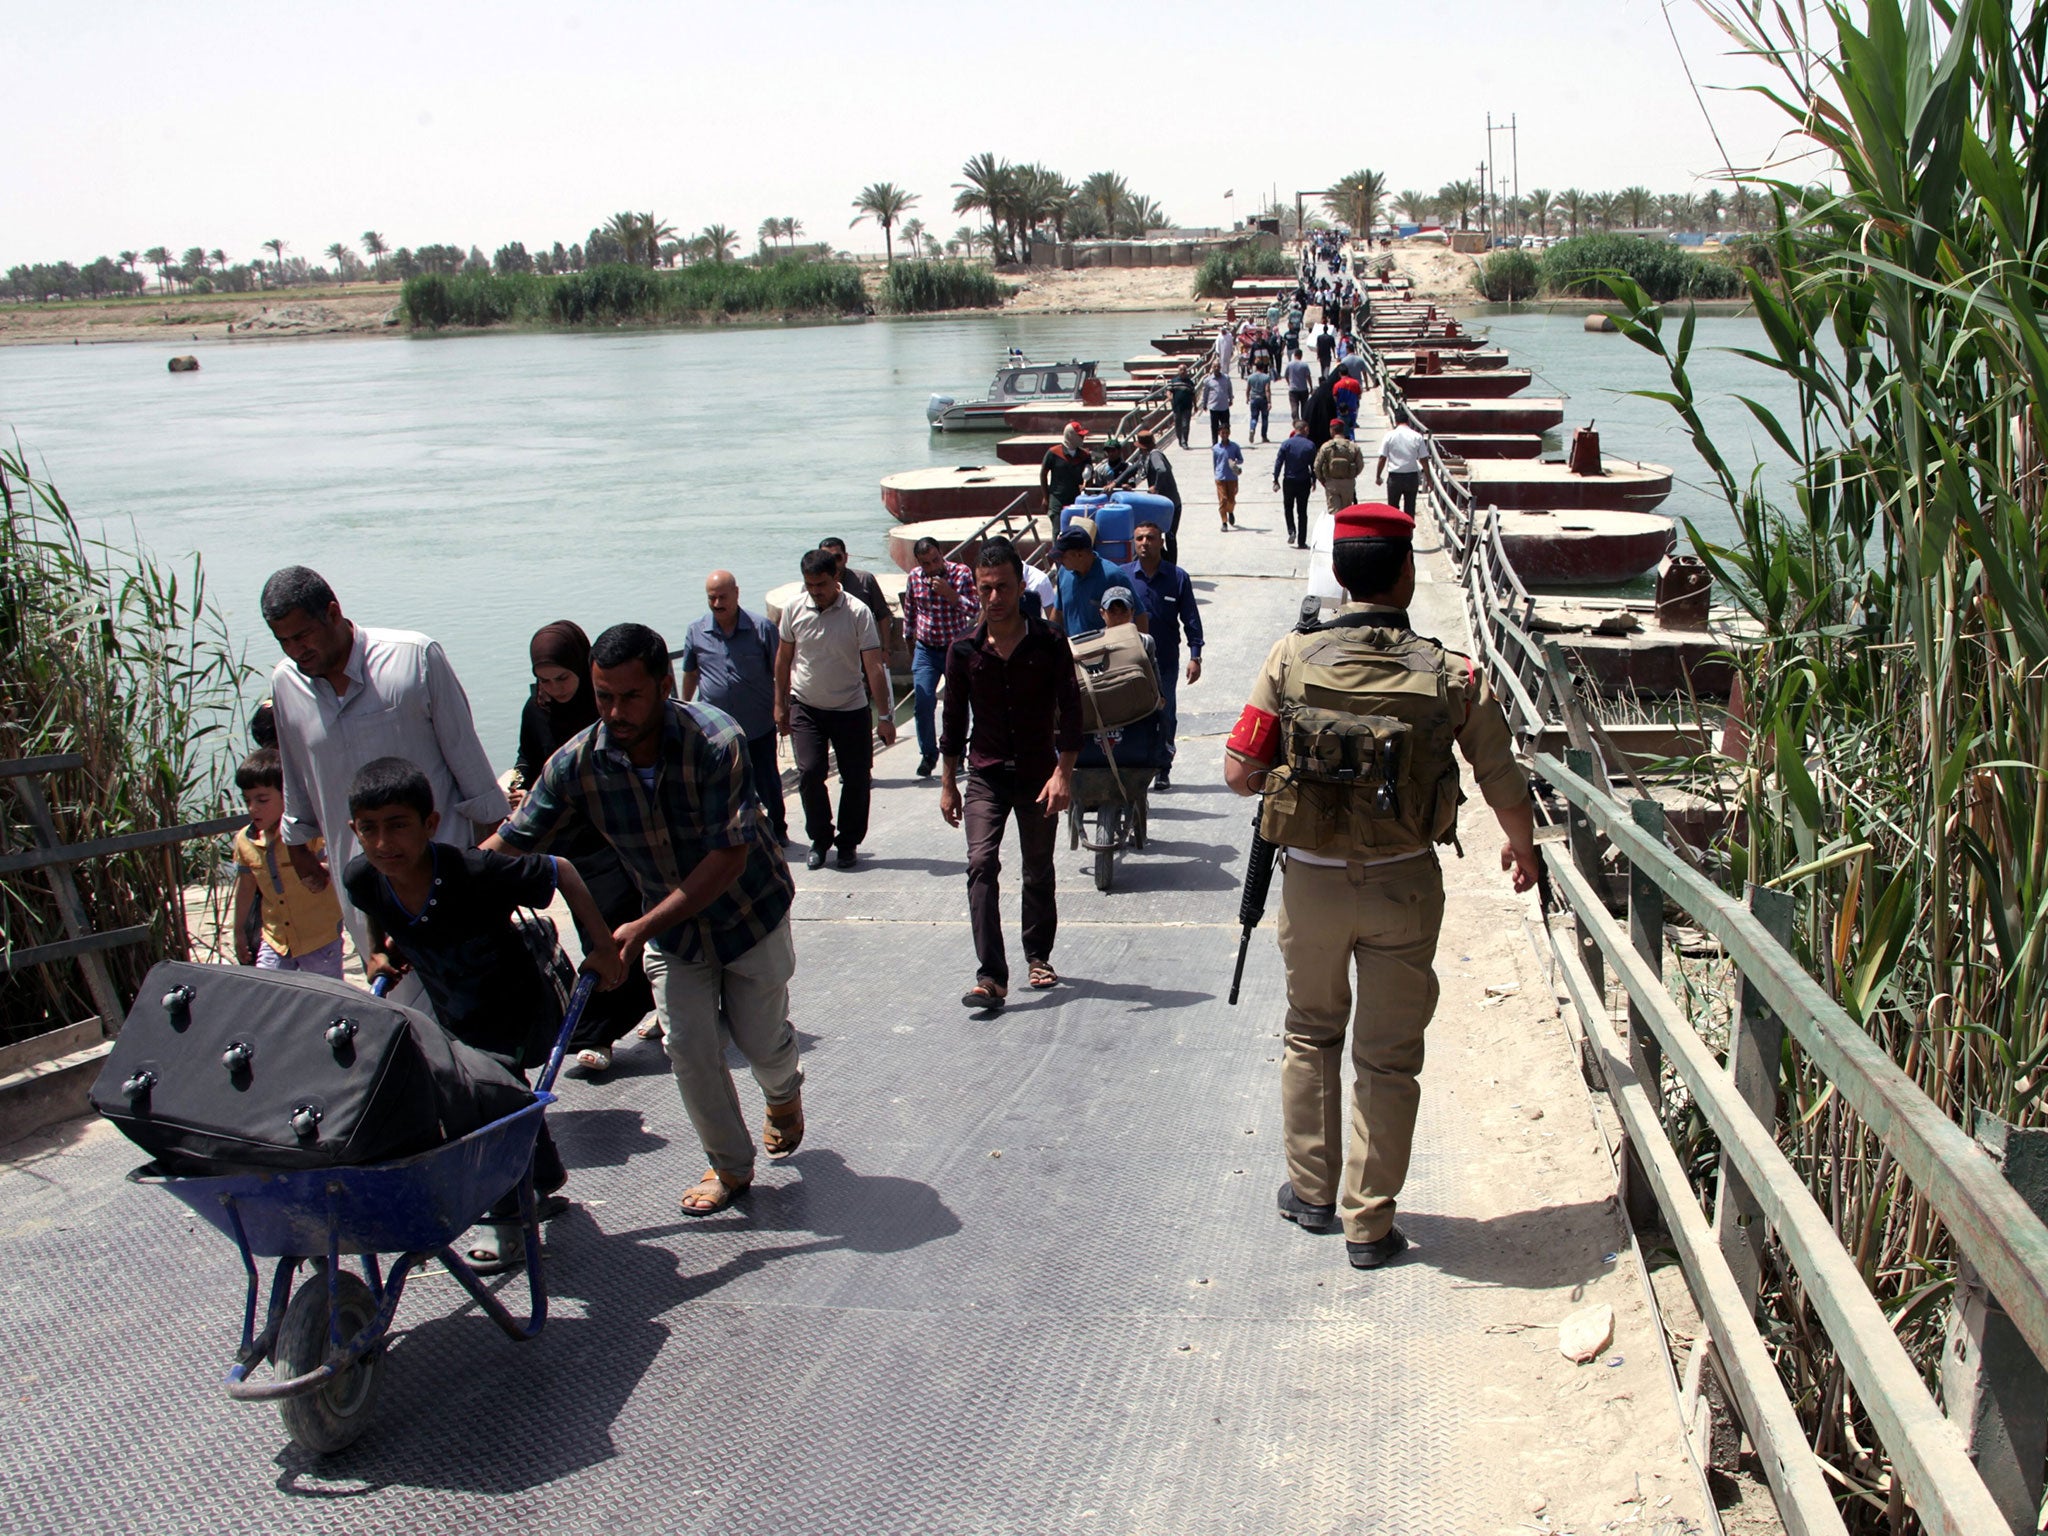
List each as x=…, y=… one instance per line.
x=333, y=1415
x=1105, y=868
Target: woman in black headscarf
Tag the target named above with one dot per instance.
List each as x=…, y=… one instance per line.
x=561, y=707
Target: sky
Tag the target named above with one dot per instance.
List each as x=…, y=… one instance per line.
x=130, y=125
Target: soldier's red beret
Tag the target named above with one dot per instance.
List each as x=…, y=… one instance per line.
x=1374, y=520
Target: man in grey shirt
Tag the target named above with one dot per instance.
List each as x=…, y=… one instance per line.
x=347, y=694
x=729, y=660
x=828, y=668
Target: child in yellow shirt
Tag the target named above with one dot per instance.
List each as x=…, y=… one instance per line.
x=301, y=928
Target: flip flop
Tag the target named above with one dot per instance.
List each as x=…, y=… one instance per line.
x=1043, y=975
x=593, y=1061
x=648, y=1029
x=982, y=995
x=712, y=1185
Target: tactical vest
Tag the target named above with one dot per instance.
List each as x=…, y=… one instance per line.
x=1368, y=724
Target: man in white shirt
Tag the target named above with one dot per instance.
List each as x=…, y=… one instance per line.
x=346, y=695
x=829, y=666
x=1402, y=456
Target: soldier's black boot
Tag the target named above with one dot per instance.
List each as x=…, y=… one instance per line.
x=1373, y=1255
x=1310, y=1218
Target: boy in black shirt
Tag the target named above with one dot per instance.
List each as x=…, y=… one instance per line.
x=446, y=913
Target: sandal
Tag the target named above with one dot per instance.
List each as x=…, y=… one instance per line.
x=713, y=1193
x=594, y=1060
x=1043, y=975
x=784, y=1132
x=649, y=1028
x=985, y=995
x=507, y=1250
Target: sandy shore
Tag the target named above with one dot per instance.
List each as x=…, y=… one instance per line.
x=361, y=309
x=1100, y=290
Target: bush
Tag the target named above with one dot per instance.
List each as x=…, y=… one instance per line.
x=1574, y=269
x=916, y=287
x=1221, y=268
x=1507, y=277
x=614, y=292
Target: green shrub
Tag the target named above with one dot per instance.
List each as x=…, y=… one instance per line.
x=1507, y=277
x=1220, y=268
x=1575, y=268
x=614, y=292
x=916, y=287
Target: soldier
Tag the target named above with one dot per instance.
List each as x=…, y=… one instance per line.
x=1338, y=464
x=1348, y=737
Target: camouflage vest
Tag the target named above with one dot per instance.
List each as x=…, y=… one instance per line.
x=1368, y=724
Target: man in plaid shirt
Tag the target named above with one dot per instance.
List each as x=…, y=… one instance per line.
x=668, y=785
x=939, y=606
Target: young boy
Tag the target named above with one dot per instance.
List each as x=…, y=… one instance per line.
x=296, y=929
x=446, y=913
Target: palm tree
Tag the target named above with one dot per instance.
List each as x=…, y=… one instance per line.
x=373, y=244
x=159, y=257
x=1637, y=204
x=129, y=258
x=340, y=255
x=654, y=232
x=1412, y=206
x=770, y=232
x=1355, y=198
x=967, y=238
x=1109, y=195
x=1571, y=207
x=913, y=235
x=277, y=250
x=218, y=257
x=1458, y=197
x=720, y=243
x=885, y=203
x=625, y=228
x=1538, y=208
x=1603, y=208
x=793, y=229
x=987, y=186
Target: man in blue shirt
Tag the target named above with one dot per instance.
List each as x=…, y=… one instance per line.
x=1294, y=476
x=1169, y=605
x=1083, y=577
x=1228, y=459
x=729, y=656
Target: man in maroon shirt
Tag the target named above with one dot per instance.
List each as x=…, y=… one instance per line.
x=1015, y=677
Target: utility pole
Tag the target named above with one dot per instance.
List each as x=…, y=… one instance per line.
x=1515, y=158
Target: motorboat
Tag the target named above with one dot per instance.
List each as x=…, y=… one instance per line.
x=1019, y=381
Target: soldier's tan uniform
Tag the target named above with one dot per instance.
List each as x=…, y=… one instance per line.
x=1380, y=914
x=1338, y=464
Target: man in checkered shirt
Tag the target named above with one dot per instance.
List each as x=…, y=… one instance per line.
x=939, y=606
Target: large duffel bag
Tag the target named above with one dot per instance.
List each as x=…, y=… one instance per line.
x=224, y=1067
x=1119, y=683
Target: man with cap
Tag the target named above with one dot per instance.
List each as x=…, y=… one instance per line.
x=1114, y=470
x=1082, y=578
x=1338, y=464
x=1063, y=469
x=1362, y=885
x=1158, y=471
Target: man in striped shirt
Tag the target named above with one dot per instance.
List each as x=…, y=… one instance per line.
x=939, y=606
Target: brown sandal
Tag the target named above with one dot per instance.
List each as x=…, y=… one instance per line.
x=1043, y=975
x=714, y=1192
x=784, y=1132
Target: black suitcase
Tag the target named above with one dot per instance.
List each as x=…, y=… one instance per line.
x=226, y=1067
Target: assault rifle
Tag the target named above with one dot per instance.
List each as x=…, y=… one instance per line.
x=1251, y=907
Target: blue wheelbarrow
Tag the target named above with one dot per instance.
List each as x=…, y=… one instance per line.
x=326, y=1343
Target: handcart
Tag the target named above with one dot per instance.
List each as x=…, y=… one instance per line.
x=1111, y=793
x=327, y=1342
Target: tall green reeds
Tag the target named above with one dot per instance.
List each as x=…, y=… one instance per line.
x=617, y=292
x=115, y=656
x=918, y=287
x=1578, y=268
x=1895, y=777
x=1220, y=268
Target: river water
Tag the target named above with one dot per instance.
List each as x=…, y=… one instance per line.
x=477, y=487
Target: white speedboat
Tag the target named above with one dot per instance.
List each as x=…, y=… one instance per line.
x=1018, y=382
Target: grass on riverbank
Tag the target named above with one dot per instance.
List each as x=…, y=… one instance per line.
x=1220, y=269
x=614, y=293
x=1579, y=268
x=920, y=287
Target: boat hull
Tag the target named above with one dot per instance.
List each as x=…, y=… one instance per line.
x=975, y=490
x=1095, y=420
x=1464, y=383
x=1487, y=445
x=1588, y=548
x=1535, y=414
x=960, y=534
x=1520, y=486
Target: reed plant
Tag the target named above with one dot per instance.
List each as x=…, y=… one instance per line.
x=122, y=659
x=1221, y=268
x=1895, y=705
x=1507, y=277
x=617, y=292
x=1578, y=268
x=919, y=287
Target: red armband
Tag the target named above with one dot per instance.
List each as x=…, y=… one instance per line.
x=1256, y=736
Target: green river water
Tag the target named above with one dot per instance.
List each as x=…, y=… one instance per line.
x=477, y=487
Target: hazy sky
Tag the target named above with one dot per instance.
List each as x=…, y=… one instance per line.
x=129, y=125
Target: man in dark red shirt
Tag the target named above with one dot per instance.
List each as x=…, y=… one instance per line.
x=1014, y=677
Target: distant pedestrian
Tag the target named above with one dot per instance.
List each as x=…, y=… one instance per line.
x=1258, y=396
x=729, y=661
x=1228, y=461
x=347, y=695
x=829, y=667
x=562, y=707
x=1294, y=476
x=667, y=785
x=1063, y=469
x=1339, y=463
x=1326, y=349
x=1180, y=394
x=1216, y=396
x=1013, y=718
x=1299, y=382
x=867, y=589
x=1402, y=454
x=1157, y=469
x=1347, y=391
x=1170, y=611
x=939, y=606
